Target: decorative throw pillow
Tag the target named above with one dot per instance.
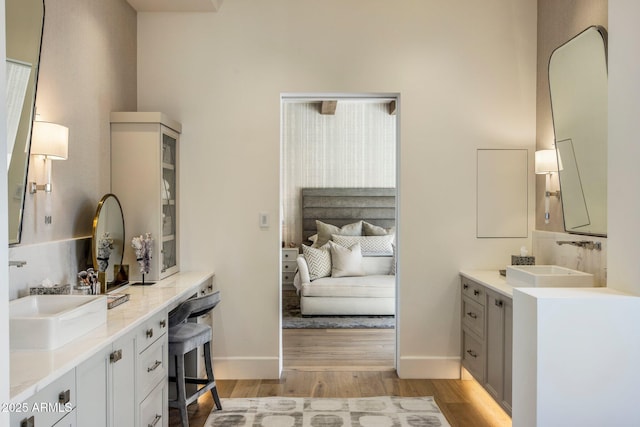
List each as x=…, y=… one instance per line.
x=370, y=245
x=326, y=230
x=346, y=261
x=318, y=260
x=374, y=230
x=393, y=262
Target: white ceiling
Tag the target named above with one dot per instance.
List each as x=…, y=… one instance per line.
x=176, y=5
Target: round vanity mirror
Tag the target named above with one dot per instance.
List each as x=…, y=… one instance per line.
x=108, y=240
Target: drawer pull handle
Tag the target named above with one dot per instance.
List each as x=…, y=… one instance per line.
x=472, y=315
x=155, y=366
x=465, y=286
x=499, y=303
x=28, y=422
x=155, y=420
x=163, y=323
x=115, y=356
x=210, y=288
x=476, y=292
x=150, y=333
x=472, y=353
x=64, y=397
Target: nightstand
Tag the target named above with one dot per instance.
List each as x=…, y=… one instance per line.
x=289, y=265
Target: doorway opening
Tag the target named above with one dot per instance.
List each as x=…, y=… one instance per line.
x=334, y=147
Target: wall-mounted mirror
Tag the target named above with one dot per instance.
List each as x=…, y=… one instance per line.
x=24, y=23
x=578, y=87
x=107, y=247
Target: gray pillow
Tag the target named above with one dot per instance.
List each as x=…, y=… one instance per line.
x=326, y=230
x=374, y=230
x=346, y=262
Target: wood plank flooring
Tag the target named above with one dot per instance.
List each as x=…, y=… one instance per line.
x=353, y=363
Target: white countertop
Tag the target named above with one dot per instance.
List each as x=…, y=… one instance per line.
x=31, y=370
x=491, y=279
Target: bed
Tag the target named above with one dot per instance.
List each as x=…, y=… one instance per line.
x=366, y=286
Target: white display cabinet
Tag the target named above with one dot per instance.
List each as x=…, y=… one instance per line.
x=144, y=176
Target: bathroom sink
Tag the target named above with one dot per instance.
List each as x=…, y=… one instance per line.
x=46, y=322
x=547, y=276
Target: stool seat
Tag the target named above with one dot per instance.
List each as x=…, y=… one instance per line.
x=186, y=336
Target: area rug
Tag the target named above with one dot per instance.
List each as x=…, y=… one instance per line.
x=292, y=318
x=385, y=411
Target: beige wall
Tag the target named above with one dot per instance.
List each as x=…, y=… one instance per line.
x=558, y=22
x=4, y=226
x=87, y=69
x=466, y=78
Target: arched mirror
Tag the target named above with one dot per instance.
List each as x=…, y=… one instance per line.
x=579, y=94
x=24, y=23
x=108, y=241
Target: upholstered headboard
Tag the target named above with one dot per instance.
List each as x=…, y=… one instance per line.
x=340, y=206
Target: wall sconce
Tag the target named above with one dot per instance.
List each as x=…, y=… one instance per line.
x=50, y=140
x=547, y=164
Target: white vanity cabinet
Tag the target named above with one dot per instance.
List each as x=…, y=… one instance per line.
x=49, y=406
x=105, y=385
x=116, y=385
x=144, y=176
x=487, y=339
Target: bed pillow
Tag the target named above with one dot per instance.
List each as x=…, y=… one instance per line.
x=374, y=230
x=326, y=230
x=370, y=245
x=318, y=260
x=346, y=262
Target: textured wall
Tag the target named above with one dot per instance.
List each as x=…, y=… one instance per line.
x=356, y=147
x=87, y=69
x=558, y=21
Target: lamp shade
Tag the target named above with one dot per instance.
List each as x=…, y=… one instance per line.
x=50, y=139
x=546, y=161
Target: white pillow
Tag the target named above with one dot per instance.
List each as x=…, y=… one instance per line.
x=371, y=245
x=318, y=260
x=369, y=229
x=346, y=261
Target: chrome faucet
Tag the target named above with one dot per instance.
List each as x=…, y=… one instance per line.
x=17, y=263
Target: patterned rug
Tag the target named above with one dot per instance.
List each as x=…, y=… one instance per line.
x=382, y=411
x=292, y=319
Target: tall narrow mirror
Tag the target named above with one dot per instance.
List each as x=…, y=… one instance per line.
x=578, y=87
x=24, y=23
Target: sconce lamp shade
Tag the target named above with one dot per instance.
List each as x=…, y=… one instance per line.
x=546, y=161
x=50, y=140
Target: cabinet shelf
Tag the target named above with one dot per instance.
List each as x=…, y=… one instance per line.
x=168, y=237
x=169, y=166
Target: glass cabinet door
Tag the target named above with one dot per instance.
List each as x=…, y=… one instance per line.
x=169, y=192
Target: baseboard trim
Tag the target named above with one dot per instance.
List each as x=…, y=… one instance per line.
x=246, y=368
x=418, y=367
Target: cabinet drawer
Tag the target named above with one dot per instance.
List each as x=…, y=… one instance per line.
x=152, y=329
x=152, y=367
x=287, y=278
x=473, y=356
x=50, y=404
x=152, y=409
x=473, y=290
x=473, y=316
x=289, y=266
x=289, y=254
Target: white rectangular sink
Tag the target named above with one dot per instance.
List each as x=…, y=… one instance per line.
x=46, y=322
x=547, y=276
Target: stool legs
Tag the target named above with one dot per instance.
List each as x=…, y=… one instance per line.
x=209, y=368
x=181, y=391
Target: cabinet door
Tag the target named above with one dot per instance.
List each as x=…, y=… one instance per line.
x=169, y=196
x=70, y=420
x=92, y=385
x=508, y=355
x=495, y=345
x=123, y=376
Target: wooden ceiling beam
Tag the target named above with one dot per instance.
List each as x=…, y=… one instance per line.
x=328, y=107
